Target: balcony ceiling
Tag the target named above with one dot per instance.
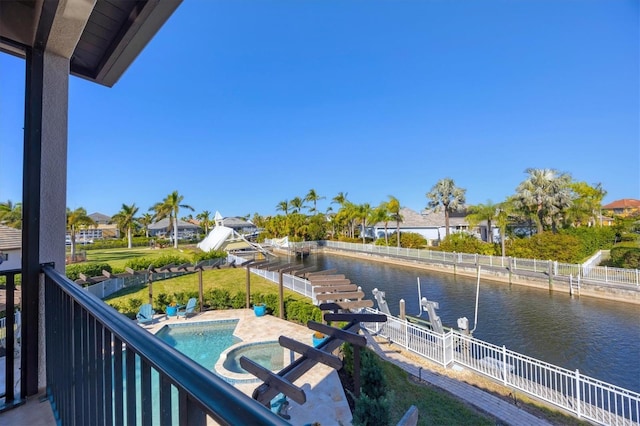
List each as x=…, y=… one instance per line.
x=113, y=36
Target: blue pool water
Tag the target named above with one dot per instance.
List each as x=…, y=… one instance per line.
x=267, y=354
x=201, y=341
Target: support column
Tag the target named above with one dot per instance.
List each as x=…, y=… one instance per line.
x=44, y=198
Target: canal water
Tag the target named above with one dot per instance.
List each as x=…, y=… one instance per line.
x=600, y=338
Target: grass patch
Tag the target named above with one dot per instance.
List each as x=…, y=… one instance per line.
x=435, y=407
x=230, y=279
x=117, y=258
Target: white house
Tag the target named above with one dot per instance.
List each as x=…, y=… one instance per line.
x=429, y=224
x=10, y=248
x=185, y=229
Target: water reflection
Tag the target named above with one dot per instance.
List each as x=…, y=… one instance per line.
x=600, y=338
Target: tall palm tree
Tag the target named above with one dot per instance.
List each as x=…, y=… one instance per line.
x=481, y=212
x=340, y=199
x=75, y=220
x=393, y=207
x=126, y=219
x=504, y=211
x=544, y=196
x=364, y=213
x=205, y=220
x=313, y=197
x=446, y=193
x=145, y=220
x=170, y=207
x=297, y=204
x=283, y=206
x=11, y=214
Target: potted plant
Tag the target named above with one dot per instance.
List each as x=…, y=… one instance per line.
x=259, y=309
x=318, y=338
x=172, y=309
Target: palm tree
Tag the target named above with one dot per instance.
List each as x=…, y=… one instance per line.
x=446, y=193
x=76, y=219
x=504, y=211
x=381, y=214
x=313, y=197
x=364, y=213
x=145, y=220
x=283, y=206
x=587, y=202
x=126, y=219
x=544, y=196
x=393, y=207
x=170, y=207
x=297, y=204
x=340, y=199
x=482, y=212
x=205, y=220
x=11, y=214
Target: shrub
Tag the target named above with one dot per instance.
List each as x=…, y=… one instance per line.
x=90, y=269
x=301, y=311
x=117, y=243
x=462, y=242
x=592, y=238
x=371, y=411
x=218, y=299
x=239, y=300
x=141, y=263
x=547, y=246
x=206, y=255
x=372, y=380
x=625, y=257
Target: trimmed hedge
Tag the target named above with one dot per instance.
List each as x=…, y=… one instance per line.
x=625, y=257
x=217, y=299
x=91, y=269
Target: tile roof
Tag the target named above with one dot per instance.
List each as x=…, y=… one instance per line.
x=100, y=218
x=624, y=203
x=164, y=223
x=426, y=219
x=10, y=238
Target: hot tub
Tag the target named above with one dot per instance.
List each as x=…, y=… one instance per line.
x=269, y=355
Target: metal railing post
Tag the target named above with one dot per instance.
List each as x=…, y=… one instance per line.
x=578, y=394
x=504, y=365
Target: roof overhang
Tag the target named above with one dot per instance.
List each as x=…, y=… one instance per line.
x=112, y=32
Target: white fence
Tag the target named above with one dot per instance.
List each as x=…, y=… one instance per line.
x=627, y=278
x=3, y=329
x=585, y=397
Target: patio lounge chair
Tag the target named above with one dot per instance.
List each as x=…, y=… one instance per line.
x=280, y=405
x=145, y=314
x=189, y=309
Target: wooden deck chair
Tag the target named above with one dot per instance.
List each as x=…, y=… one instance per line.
x=189, y=309
x=145, y=314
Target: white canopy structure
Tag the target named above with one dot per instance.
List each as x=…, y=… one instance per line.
x=225, y=238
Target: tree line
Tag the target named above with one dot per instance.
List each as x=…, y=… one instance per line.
x=547, y=200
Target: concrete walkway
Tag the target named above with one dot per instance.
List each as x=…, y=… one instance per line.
x=502, y=410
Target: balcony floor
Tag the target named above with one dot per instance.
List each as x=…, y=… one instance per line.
x=35, y=412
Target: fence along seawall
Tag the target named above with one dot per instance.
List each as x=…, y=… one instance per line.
x=586, y=280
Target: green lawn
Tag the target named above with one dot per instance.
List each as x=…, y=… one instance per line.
x=435, y=407
x=118, y=257
x=231, y=279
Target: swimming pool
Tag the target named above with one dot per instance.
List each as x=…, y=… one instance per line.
x=203, y=341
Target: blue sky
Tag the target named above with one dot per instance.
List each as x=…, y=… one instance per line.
x=239, y=105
